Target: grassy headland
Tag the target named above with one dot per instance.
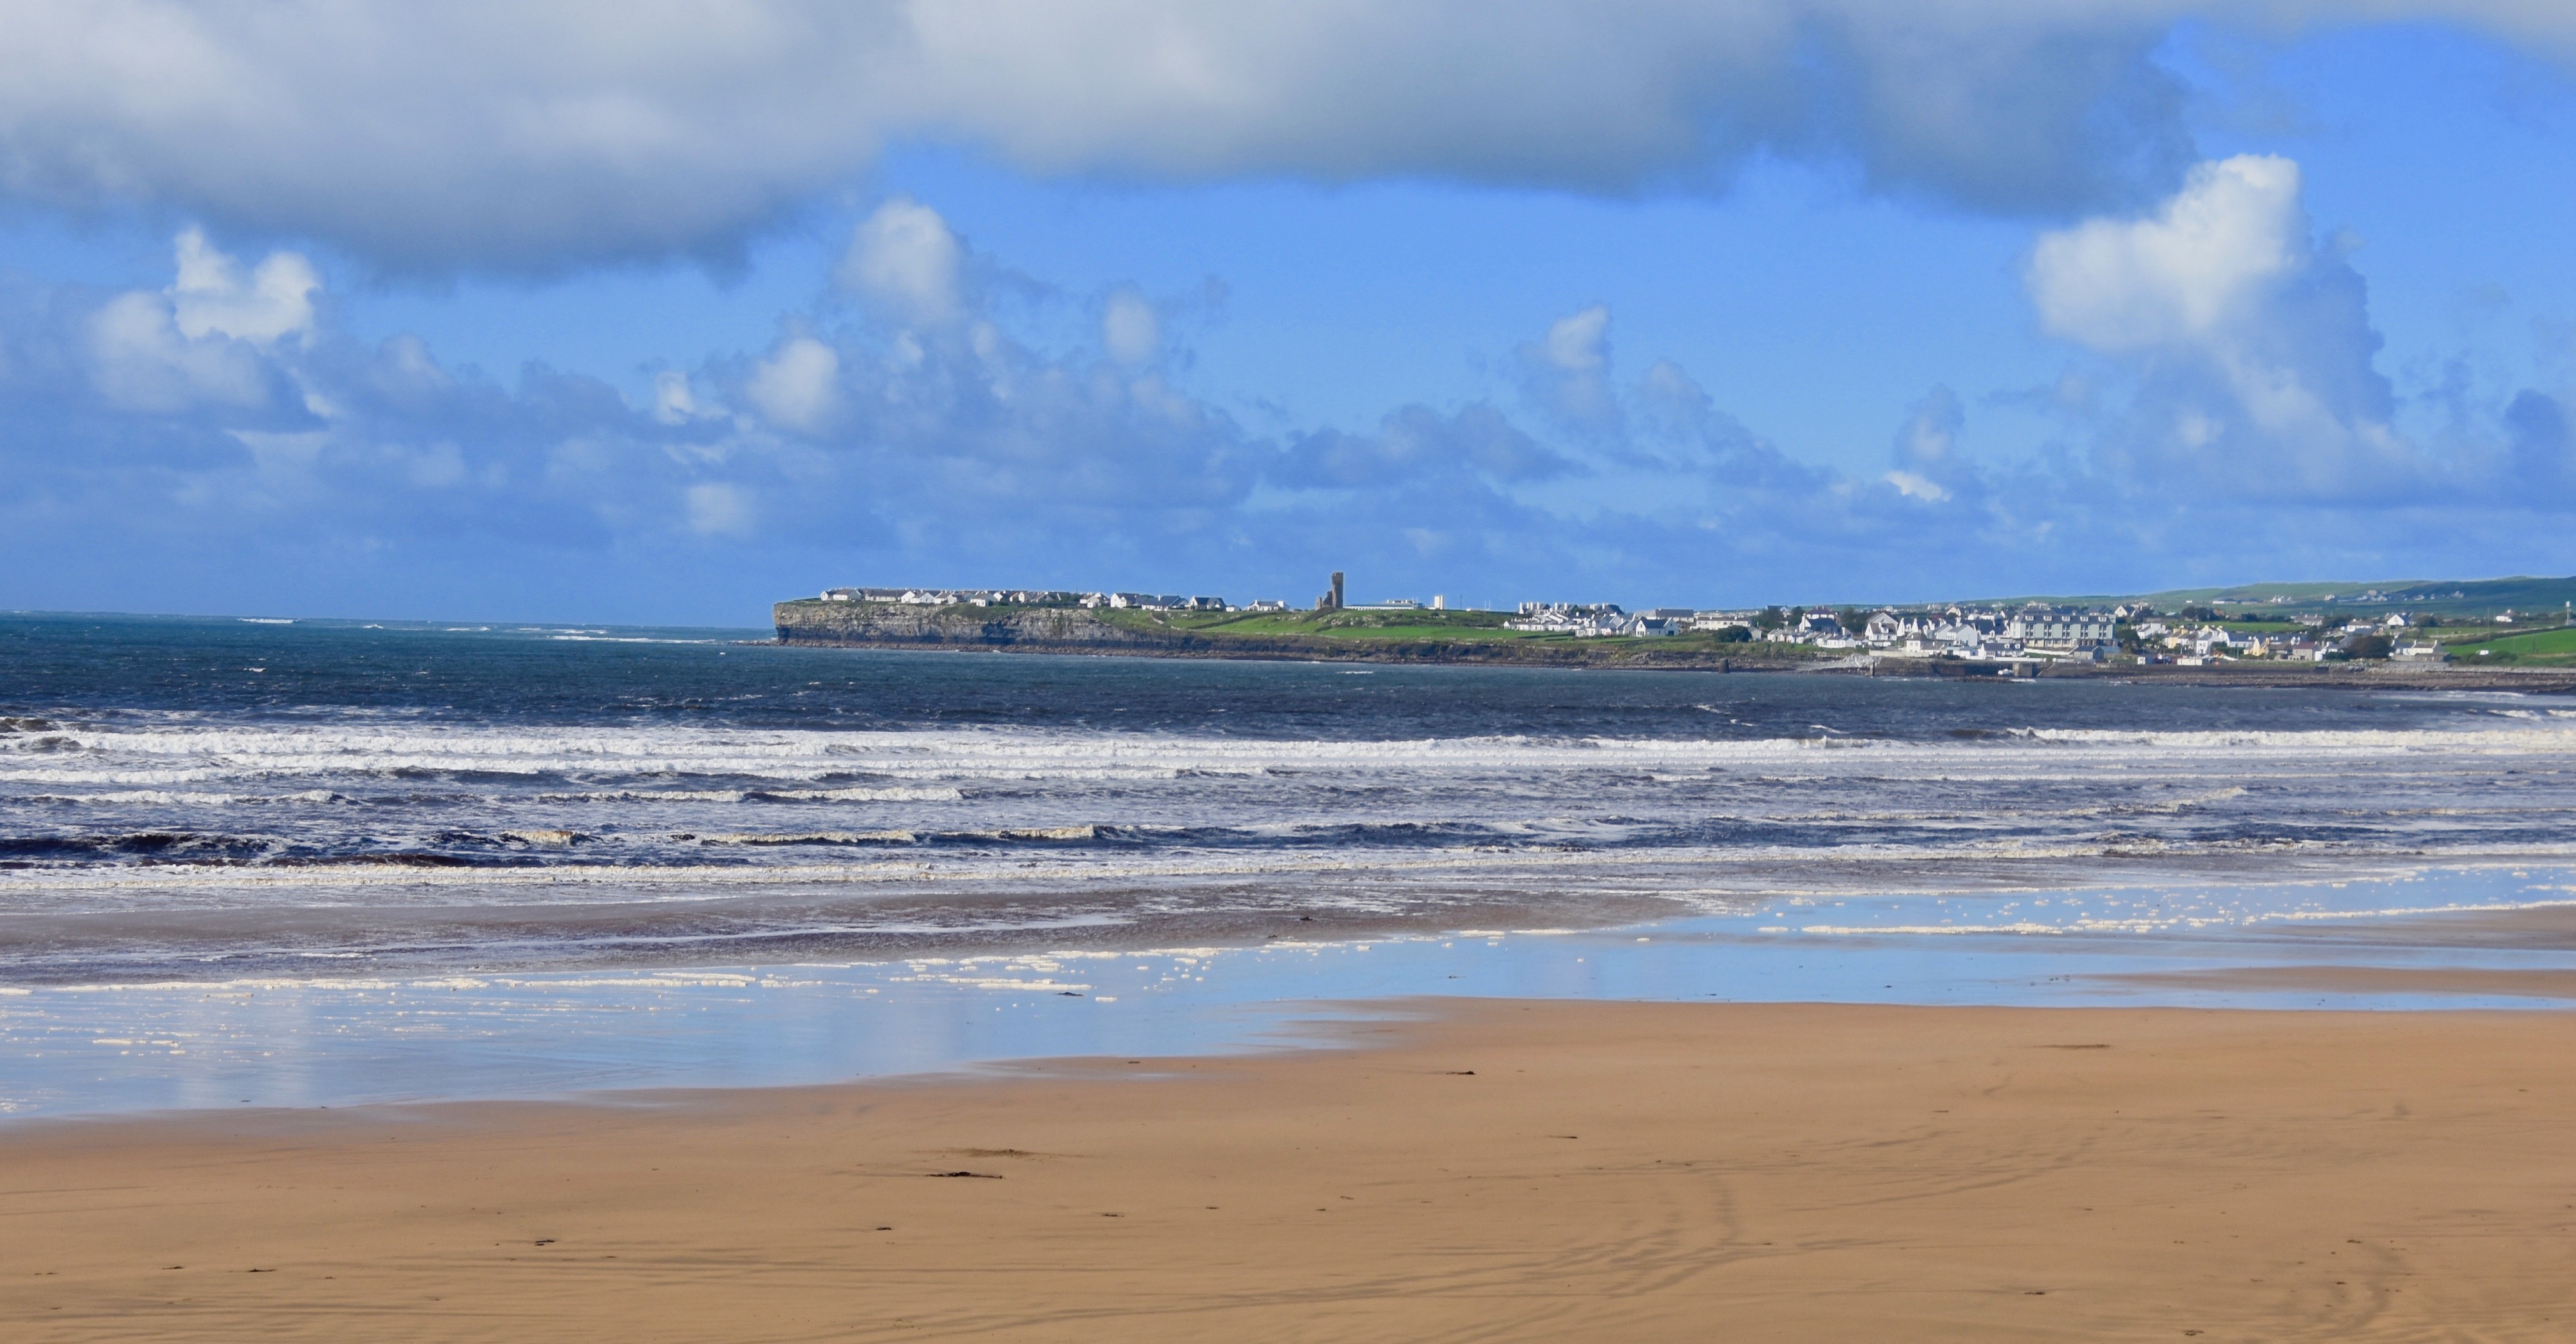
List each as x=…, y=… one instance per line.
x=1376, y=635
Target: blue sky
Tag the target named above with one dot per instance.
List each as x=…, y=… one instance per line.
x=657, y=313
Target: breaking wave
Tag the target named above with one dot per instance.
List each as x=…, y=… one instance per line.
x=1043, y=793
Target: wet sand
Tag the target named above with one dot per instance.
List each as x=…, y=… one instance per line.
x=2424, y=981
x=1496, y=1170
x=2536, y=928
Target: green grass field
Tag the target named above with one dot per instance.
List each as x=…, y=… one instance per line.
x=1456, y=626
x=1478, y=625
x=2444, y=597
x=2537, y=646
x=1414, y=627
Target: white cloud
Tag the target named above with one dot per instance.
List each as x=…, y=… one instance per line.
x=212, y=297
x=1130, y=328
x=202, y=341
x=141, y=362
x=1929, y=439
x=905, y=258
x=437, y=467
x=1930, y=464
x=1566, y=373
x=405, y=369
x=1578, y=342
x=2207, y=259
x=535, y=135
x=673, y=402
x=720, y=509
x=797, y=387
x=2253, y=351
x=975, y=449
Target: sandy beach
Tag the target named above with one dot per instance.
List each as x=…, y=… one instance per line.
x=1486, y=1170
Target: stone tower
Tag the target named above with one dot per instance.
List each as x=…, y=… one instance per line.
x=1331, y=601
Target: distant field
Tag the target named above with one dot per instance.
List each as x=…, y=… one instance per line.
x=2538, y=646
x=1480, y=625
x=2444, y=597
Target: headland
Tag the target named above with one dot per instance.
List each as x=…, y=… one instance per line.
x=2131, y=640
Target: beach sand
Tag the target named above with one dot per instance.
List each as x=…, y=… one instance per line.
x=1493, y=1170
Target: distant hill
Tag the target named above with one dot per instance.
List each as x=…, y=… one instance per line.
x=2445, y=597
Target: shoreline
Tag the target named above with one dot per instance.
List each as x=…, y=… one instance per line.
x=1492, y=1168
x=2476, y=939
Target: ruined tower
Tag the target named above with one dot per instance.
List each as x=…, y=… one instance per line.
x=1331, y=601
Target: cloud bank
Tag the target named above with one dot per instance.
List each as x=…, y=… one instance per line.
x=2221, y=384
x=536, y=136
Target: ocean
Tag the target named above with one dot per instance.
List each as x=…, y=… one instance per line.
x=334, y=808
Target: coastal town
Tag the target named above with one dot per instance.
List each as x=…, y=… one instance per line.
x=2368, y=624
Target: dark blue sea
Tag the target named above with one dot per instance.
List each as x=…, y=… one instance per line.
x=315, y=862
x=194, y=798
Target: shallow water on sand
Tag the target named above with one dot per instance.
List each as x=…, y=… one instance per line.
x=325, y=1040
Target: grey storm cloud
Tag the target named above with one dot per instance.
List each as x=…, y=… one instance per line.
x=536, y=136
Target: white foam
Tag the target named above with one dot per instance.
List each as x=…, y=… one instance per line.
x=185, y=798
x=185, y=754
x=1178, y=808
x=630, y=639
x=905, y=794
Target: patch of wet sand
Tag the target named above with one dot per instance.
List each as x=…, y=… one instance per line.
x=2464, y=981
x=2548, y=928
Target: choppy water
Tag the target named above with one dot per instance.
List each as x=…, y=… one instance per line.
x=192, y=799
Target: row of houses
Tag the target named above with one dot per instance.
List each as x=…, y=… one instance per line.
x=1030, y=597
x=1035, y=597
x=2193, y=643
x=1601, y=620
x=2027, y=631
x=1977, y=633
x=2032, y=630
